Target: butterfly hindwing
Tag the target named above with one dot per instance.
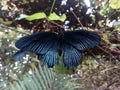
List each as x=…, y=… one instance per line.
x=71, y=56
x=18, y=55
x=51, y=56
x=81, y=39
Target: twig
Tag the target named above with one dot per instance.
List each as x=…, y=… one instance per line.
x=57, y=24
x=50, y=12
x=108, y=69
x=113, y=51
x=106, y=52
x=92, y=54
x=77, y=18
x=116, y=39
x=13, y=29
x=52, y=7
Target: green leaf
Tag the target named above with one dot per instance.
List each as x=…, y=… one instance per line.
x=25, y=1
x=36, y=16
x=0, y=43
x=54, y=16
x=41, y=15
x=115, y=4
x=8, y=22
x=1, y=20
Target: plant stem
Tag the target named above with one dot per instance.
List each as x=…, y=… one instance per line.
x=52, y=7
x=50, y=12
x=77, y=19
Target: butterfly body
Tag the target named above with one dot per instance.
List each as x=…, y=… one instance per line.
x=48, y=46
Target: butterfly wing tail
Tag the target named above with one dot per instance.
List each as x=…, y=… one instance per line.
x=19, y=55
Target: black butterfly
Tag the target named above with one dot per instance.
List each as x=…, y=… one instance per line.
x=48, y=45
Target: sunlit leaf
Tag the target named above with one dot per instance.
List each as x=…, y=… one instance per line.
x=36, y=16
x=115, y=4
x=103, y=10
x=8, y=22
x=117, y=28
x=106, y=38
x=1, y=20
x=25, y=1
x=54, y=16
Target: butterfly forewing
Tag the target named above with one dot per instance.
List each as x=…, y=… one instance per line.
x=24, y=41
x=81, y=39
x=38, y=43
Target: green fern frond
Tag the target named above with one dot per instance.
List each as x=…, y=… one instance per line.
x=44, y=78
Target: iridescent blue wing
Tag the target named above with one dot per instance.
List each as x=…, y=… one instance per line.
x=19, y=55
x=51, y=56
x=71, y=56
x=74, y=42
x=44, y=44
x=38, y=43
x=81, y=39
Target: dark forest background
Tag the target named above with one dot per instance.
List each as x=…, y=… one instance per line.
x=100, y=69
